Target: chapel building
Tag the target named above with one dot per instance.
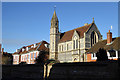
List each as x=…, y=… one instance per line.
x=72, y=45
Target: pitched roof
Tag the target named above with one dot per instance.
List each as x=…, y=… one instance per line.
x=66, y=36
x=39, y=46
x=103, y=44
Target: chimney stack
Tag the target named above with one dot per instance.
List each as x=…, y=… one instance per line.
x=109, y=37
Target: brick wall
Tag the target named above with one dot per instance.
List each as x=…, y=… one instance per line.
x=16, y=72
x=85, y=71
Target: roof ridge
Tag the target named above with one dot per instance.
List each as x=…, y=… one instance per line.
x=32, y=44
x=77, y=28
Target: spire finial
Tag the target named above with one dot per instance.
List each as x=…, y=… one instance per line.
x=54, y=7
x=93, y=19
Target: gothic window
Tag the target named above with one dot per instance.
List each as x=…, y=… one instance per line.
x=73, y=44
x=93, y=38
x=62, y=47
x=59, y=48
x=56, y=24
x=53, y=47
x=67, y=46
x=56, y=32
x=76, y=43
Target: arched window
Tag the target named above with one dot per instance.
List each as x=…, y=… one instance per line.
x=75, y=59
x=76, y=43
x=94, y=38
x=73, y=44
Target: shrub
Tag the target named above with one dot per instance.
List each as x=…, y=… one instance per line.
x=102, y=55
x=42, y=57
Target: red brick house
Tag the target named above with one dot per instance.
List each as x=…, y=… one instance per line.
x=29, y=53
x=107, y=44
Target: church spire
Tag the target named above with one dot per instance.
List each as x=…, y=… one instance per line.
x=93, y=20
x=54, y=17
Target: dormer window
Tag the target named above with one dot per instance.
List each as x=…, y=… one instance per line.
x=17, y=50
x=34, y=45
x=37, y=44
x=26, y=48
x=23, y=49
x=46, y=45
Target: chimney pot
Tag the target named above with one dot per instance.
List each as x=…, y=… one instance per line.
x=109, y=37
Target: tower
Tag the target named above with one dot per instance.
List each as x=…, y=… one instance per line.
x=54, y=37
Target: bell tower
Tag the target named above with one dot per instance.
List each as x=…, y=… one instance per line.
x=54, y=37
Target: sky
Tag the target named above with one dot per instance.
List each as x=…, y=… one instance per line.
x=25, y=23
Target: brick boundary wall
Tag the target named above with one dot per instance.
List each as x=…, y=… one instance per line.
x=15, y=72
x=84, y=71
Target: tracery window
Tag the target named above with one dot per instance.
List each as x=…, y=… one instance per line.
x=75, y=44
x=94, y=38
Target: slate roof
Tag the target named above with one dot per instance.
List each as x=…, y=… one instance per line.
x=40, y=46
x=103, y=44
x=66, y=36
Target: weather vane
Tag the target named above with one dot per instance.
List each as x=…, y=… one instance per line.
x=93, y=19
x=111, y=28
x=54, y=7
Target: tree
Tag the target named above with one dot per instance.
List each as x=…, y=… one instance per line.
x=7, y=58
x=42, y=57
x=102, y=55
